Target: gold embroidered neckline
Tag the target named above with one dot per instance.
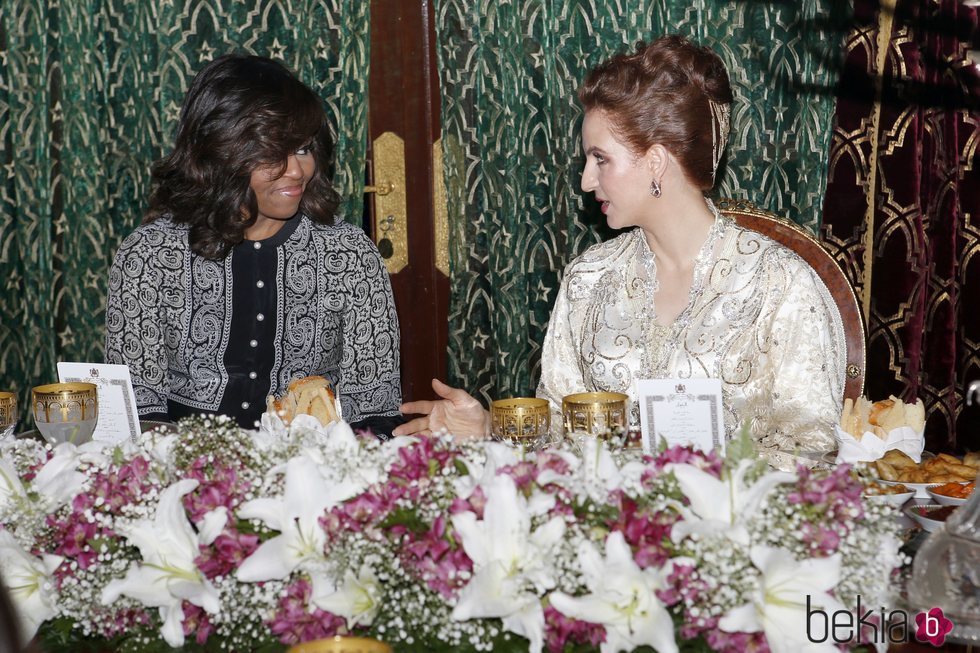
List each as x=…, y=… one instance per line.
x=659, y=340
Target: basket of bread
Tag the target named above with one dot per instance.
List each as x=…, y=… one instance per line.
x=868, y=430
x=311, y=395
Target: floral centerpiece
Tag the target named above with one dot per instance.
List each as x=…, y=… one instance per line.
x=214, y=538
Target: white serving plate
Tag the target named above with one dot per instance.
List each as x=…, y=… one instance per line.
x=830, y=458
x=896, y=500
x=943, y=499
x=920, y=489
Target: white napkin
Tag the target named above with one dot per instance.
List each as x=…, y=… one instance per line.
x=871, y=447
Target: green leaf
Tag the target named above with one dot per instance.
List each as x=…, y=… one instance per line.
x=406, y=517
x=740, y=447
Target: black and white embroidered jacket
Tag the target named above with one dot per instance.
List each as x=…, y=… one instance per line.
x=170, y=317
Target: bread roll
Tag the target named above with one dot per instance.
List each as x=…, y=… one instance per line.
x=881, y=417
x=879, y=411
x=311, y=395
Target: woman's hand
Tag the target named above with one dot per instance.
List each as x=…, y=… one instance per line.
x=457, y=411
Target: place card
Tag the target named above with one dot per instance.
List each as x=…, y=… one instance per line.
x=118, y=417
x=686, y=412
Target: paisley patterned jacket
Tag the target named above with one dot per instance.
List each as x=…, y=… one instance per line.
x=169, y=312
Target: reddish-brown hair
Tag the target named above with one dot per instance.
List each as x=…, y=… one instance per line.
x=659, y=94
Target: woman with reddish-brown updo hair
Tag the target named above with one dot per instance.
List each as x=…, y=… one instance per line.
x=684, y=292
x=661, y=95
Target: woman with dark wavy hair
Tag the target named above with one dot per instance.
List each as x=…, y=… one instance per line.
x=683, y=292
x=240, y=279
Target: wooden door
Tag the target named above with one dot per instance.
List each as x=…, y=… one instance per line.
x=404, y=101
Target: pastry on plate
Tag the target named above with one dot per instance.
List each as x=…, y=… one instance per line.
x=311, y=395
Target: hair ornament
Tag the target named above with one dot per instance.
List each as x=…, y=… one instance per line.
x=720, y=126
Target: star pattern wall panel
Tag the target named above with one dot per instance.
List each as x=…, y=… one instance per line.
x=90, y=92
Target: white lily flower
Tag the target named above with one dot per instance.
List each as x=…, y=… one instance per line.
x=340, y=437
x=511, y=564
x=597, y=473
x=325, y=444
x=28, y=580
x=155, y=444
x=211, y=525
x=314, y=437
x=498, y=454
x=778, y=603
x=540, y=503
x=333, y=448
x=162, y=450
x=721, y=505
x=601, y=472
x=272, y=424
x=272, y=431
x=548, y=476
x=357, y=600
x=93, y=451
x=598, y=464
x=168, y=575
x=303, y=423
x=622, y=599
x=56, y=483
x=12, y=493
x=59, y=480
x=296, y=516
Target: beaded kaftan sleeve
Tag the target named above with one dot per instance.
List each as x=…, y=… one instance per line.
x=561, y=372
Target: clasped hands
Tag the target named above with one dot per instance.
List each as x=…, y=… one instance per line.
x=458, y=412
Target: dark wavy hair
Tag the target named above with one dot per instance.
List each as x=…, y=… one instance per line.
x=660, y=94
x=241, y=112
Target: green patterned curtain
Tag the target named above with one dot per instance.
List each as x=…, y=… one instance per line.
x=509, y=70
x=90, y=92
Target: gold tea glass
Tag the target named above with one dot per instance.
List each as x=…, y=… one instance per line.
x=521, y=421
x=594, y=413
x=8, y=413
x=341, y=645
x=66, y=412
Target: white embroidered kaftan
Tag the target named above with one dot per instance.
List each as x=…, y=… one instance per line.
x=759, y=319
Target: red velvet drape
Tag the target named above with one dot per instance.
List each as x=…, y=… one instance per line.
x=902, y=211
